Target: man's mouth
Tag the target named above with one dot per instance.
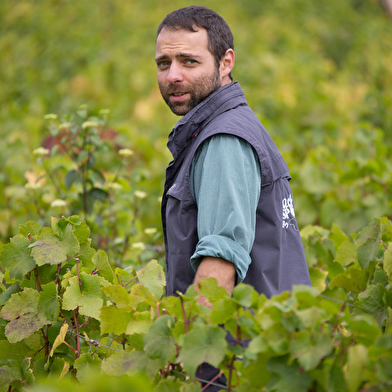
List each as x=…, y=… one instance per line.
x=178, y=96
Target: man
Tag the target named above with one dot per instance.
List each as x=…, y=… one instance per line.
x=227, y=208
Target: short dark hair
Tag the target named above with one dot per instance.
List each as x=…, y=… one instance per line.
x=220, y=37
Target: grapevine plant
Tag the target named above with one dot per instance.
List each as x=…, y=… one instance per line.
x=69, y=319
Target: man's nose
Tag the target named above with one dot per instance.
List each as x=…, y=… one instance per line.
x=175, y=73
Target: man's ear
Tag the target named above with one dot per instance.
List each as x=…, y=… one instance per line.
x=226, y=65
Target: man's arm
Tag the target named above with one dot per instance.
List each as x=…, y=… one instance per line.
x=214, y=267
x=226, y=191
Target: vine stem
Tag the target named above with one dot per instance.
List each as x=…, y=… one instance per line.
x=184, y=315
x=231, y=367
x=77, y=271
x=76, y=320
x=383, y=244
x=37, y=279
x=46, y=343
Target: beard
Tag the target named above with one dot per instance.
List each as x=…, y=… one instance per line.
x=198, y=91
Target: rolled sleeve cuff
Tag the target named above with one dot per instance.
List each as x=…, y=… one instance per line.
x=225, y=248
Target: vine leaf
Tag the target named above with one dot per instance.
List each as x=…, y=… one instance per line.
x=60, y=338
x=101, y=262
x=159, y=341
x=287, y=377
x=86, y=364
x=347, y=253
x=153, y=277
x=48, y=303
x=374, y=301
x=16, y=255
x=371, y=236
x=87, y=296
x=388, y=262
x=9, y=374
x=353, y=279
x=119, y=296
x=125, y=362
x=114, y=319
x=50, y=249
x=22, y=310
x=308, y=351
x=357, y=360
x=204, y=343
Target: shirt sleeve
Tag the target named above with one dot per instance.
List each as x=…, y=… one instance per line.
x=225, y=181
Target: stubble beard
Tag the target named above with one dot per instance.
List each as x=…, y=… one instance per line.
x=198, y=91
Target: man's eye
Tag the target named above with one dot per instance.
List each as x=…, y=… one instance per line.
x=191, y=62
x=163, y=64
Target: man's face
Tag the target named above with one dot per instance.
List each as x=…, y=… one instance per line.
x=186, y=69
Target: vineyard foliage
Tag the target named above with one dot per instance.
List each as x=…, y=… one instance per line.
x=67, y=313
x=82, y=157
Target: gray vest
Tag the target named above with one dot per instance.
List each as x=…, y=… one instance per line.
x=278, y=259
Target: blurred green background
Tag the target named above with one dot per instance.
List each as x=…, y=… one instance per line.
x=318, y=74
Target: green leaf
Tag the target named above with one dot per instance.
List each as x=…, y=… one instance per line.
x=4, y=297
x=337, y=236
x=140, y=294
x=210, y=289
x=309, y=351
x=256, y=346
x=278, y=339
x=118, y=295
x=256, y=372
x=27, y=371
x=173, y=384
x=153, y=277
x=370, y=236
x=287, y=377
x=244, y=294
x=374, y=301
x=204, y=343
x=114, y=320
x=51, y=250
x=48, y=302
x=352, y=279
x=364, y=328
x=70, y=178
x=223, y=309
x=21, y=303
x=356, y=362
x=310, y=317
x=159, y=341
x=98, y=194
x=124, y=362
x=31, y=227
x=87, y=296
x=80, y=230
x=15, y=351
x=347, y=253
x=16, y=255
x=388, y=261
x=9, y=374
x=318, y=277
x=86, y=255
x=101, y=262
x=22, y=312
x=86, y=364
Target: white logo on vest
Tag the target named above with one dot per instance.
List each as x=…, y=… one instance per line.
x=289, y=214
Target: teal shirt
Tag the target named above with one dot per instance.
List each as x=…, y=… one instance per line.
x=225, y=182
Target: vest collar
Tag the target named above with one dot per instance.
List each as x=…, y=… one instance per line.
x=224, y=98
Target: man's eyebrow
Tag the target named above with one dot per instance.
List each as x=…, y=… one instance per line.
x=178, y=55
